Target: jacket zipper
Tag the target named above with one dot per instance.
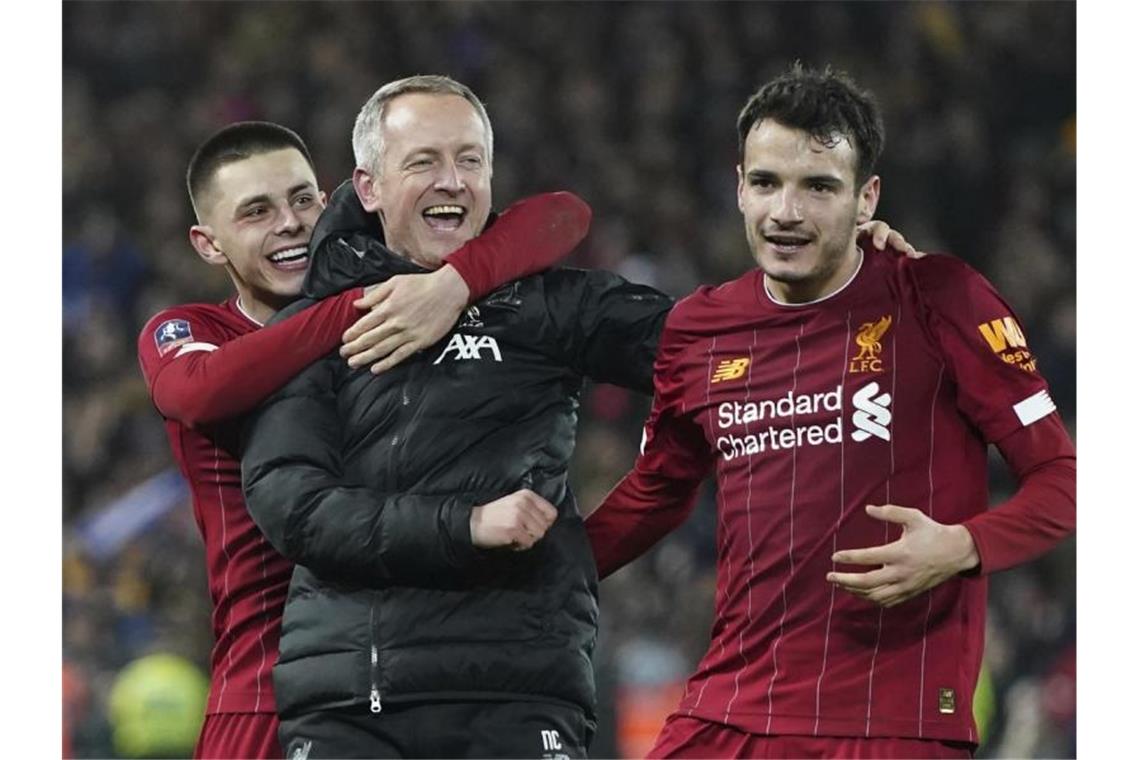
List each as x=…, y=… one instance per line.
x=374, y=695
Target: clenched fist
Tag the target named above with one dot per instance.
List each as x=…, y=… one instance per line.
x=517, y=521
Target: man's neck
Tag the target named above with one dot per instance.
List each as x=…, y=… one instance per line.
x=802, y=293
x=254, y=310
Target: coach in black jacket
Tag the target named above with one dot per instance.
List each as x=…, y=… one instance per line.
x=369, y=484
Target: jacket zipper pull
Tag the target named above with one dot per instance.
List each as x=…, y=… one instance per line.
x=374, y=695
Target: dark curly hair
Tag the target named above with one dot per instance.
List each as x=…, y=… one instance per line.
x=827, y=105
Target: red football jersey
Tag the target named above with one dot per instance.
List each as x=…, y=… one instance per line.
x=887, y=391
x=196, y=361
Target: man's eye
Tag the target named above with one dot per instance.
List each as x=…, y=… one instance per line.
x=473, y=162
x=420, y=163
x=255, y=211
x=820, y=187
x=762, y=182
x=304, y=200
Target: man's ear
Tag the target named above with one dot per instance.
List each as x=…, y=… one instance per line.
x=740, y=188
x=204, y=242
x=868, y=200
x=366, y=188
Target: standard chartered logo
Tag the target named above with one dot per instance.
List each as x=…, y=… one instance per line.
x=872, y=413
x=796, y=420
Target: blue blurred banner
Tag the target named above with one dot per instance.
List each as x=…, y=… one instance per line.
x=104, y=532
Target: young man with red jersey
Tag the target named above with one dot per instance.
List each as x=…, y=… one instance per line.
x=255, y=194
x=827, y=388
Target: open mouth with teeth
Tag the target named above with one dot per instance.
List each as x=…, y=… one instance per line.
x=787, y=243
x=444, y=217
x=291, y=259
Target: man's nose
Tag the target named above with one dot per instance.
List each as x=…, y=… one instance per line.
x=288, y=223
x=449, y=178
x=787, y=209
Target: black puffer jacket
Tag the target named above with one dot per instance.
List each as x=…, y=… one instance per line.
x=367, y=483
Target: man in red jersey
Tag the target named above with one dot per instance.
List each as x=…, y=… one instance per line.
x=256, y=197
x=844, y=398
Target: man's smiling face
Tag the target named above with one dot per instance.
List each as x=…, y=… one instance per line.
x=432, y=188
x=800, y=205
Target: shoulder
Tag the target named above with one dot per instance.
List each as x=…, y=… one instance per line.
x=178, y=325
x=712, y=309
x=593, y=284
x=940, y=274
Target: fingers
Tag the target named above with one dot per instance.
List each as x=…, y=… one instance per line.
x=535, y=514
x=861, y=581
x=394, y=358
x=898, y=242
x=884, y=594
x=895, y=514
x=548, y=511
x=518, y=520
x=876, y=230
x=363, y=327
x=377, y=293
x=880, y=234
x=873, y=555
x=373, y=345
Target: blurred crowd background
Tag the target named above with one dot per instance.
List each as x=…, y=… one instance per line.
x=630, y=105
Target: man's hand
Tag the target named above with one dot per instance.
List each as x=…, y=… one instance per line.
x=407, y=313
x=881, y=235
x=517, y=521
x=926, y=554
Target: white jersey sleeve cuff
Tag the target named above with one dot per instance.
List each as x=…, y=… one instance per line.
x=189, y=347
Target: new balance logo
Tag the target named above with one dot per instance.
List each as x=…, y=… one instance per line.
x=730, y=369
x=551, y=740
x=469, y=347
x=872, y=414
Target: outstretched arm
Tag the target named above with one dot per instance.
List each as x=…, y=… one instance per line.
x=208, y=378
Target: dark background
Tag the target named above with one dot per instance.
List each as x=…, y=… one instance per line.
x=630, y=105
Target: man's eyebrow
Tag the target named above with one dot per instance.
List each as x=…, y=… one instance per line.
x=252, y=200
x=824, y=179
x=265, y=197
x=301, y=187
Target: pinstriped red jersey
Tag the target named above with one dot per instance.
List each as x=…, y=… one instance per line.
x=189, y=353
x=887, y=391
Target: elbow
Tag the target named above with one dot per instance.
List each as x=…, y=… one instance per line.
x=195, y=411
x=573, y=214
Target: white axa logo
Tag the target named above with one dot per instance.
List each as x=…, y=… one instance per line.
x=469, y=346
x=872, y=414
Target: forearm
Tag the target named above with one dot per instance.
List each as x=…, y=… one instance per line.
x=640, y=511
x=359, y=535
x=530, y=236
x=1043, y=510
x=1040, y=514
x=203, y=387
